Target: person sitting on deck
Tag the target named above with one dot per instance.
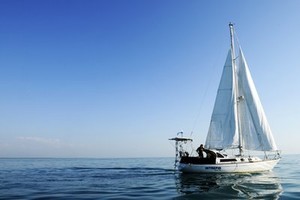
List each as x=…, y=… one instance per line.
x=200, y=151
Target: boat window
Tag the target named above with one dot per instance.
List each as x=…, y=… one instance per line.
x=220, y=155
x=228, y=160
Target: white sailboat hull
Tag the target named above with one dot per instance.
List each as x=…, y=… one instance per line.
x=238, y=167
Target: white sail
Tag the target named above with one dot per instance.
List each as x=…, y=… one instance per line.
x=255, y=130
x=222, y=131
x=248, y=115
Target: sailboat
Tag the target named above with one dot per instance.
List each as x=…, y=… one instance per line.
x=238, y=124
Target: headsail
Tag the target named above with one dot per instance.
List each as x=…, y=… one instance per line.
x=223, y=131
x=255, y=130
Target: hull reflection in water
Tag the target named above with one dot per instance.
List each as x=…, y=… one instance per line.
x=232, y=186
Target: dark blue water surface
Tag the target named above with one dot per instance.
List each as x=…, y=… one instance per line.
x=139, y=178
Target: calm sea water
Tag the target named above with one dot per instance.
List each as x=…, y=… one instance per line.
x=139, y=178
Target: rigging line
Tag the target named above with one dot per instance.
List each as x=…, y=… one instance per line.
x=193, y=149
x=237, y=41
x=201, y=104
x=213, y=74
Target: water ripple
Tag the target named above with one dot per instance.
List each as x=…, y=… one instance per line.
x=137, y=179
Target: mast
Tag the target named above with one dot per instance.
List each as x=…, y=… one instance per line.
x=236, y=96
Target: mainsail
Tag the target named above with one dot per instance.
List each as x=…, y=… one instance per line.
x=247, y=116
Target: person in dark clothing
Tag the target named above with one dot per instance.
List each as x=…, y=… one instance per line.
x=200, y=151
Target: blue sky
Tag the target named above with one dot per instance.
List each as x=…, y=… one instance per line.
x=118, y=78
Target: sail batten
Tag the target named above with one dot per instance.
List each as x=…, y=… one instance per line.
x=246, y=126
